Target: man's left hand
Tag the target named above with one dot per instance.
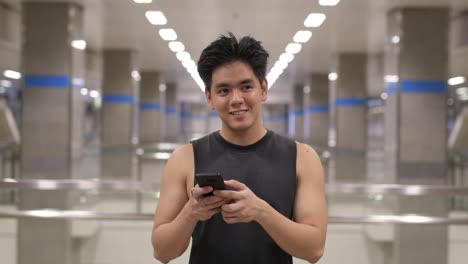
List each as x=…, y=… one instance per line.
x=245, y=206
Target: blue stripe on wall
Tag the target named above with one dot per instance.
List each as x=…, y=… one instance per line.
x=117, y=99
x=150, y=107
x=414, y=86
x=212, y=114
x=46, y=81
x=318, y=109
x=171, y=111
x=298, y=112
x=352, y=102
x=423, y=86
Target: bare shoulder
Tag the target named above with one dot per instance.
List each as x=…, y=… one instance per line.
x=181, y=163
x=308, y=163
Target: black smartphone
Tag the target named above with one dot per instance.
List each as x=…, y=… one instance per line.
x=214, y=180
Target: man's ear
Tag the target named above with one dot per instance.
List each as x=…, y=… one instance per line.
x=208, y=98
x=264, y=86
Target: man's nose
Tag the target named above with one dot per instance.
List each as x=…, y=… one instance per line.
x=236, y=96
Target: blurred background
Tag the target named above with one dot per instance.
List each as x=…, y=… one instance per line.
x=96, y=94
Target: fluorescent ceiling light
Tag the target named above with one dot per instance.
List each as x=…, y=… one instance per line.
x=79, y=44
x=395, y=39
x=293, y=48
x=188, y=63
x=281, y=65
x=302, y=36
x=168, y=34
x=156, y=17
x=286, y=57
x=176, y=46
x=12, y=74
x=84, y=91
x=328, y=2
x=456, y=80
x=143, y=1
x=314, y=20
x=333, y=76
x=462, y=91
x=94, y=94
x=5, y=83
x=183, y=56
x=136, y=76
x=391, y=78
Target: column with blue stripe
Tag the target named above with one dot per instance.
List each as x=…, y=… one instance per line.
x=51, y=137
x=350, y=109
x=149, y=107
x=118, y=113
x=297, y=113
x=416, y=123
x=318, y=110
x=172, y=114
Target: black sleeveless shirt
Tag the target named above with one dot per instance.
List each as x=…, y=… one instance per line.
x=268, y=168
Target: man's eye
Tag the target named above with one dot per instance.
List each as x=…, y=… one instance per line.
x=223, y=91
x=247, y=87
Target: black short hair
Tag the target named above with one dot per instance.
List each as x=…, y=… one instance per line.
x=228, y=49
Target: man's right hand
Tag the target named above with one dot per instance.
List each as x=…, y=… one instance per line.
x=203, y=208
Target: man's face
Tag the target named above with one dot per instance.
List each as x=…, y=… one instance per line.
x=236, y=94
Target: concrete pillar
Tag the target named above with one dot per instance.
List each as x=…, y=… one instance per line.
x=349, y=103
x=416, y=125
x=172, y=113
x=194, y=121
x=51, y=139
x=214, y=122
x=150, y=107
x=317, y=110
x=297, y=113
x=275, y=117
x=119, y=89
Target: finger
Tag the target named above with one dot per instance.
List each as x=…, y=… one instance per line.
x=235, y=185
x=199, y=191
x=212, y=199
x=228, y=195
x=231, y=208
x=230, y=220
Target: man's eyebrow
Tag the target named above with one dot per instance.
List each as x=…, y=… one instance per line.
x=222, y=85
x=246, y=81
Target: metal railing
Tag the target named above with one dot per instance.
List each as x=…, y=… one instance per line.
x=132, y=186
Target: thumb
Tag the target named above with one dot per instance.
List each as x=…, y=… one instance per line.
x=235, y=185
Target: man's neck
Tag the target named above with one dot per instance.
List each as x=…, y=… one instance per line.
x=244, y=137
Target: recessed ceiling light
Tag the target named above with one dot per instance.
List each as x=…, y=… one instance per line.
x=293, y=48
x=456, y=80
x=156, y=17
x=12, y=74
x=182, y=56
x=287, y=57
x=168, y=34
x=314, y=20
x=79, y=44
x=333, y=76
x=302, y=36
x=176, y=46
x=395, y=39
x=328, y=2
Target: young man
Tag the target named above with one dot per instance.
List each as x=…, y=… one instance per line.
x=274, y=206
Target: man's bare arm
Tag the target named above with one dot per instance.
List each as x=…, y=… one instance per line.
x=178, y=213
x=173, y=223
x=304, y=238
